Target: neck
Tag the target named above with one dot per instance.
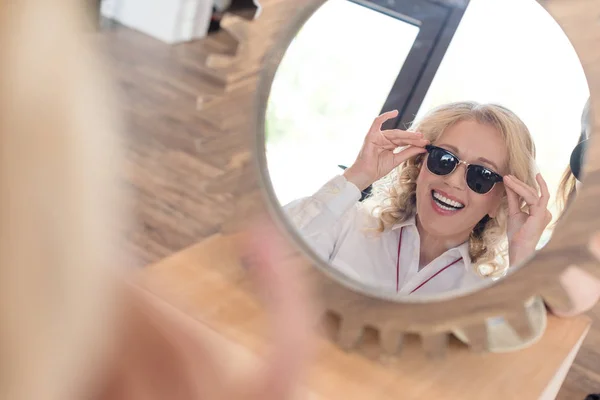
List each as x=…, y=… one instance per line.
x=434, y=246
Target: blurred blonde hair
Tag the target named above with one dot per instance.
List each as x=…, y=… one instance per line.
x=58, y=164
x=567, y=189
x=395, y=195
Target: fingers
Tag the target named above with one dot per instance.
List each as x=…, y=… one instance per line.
x=379, y=121
x=405, y=138
x=400, y=134
x=187, y=335
x=545, y=198
x=406, y=154
x=538, y=204
x=513, y=201
x=526, y=192
x=385, y=143
x=290, y=315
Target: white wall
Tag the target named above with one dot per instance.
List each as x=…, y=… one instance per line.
x=170, y=21
x=528, y=65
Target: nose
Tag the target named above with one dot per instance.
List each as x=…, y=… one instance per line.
x=457, y=178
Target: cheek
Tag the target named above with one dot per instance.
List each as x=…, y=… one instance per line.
x=421, y=186
x=423, y=183
x=485, y=204
x=423, y=176
x=479, y=203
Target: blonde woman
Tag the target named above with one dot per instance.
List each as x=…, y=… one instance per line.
x=447, y=207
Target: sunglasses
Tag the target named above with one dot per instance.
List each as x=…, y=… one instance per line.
x=578, y=158
x=479, y=178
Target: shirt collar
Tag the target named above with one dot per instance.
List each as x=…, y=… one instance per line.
x=409, y=222
x=462, y=249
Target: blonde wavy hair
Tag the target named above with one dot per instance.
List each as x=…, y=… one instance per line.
x=395, y=197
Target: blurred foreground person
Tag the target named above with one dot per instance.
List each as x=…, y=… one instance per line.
x=72, y=324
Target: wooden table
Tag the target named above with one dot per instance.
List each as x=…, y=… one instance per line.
x=207, y=282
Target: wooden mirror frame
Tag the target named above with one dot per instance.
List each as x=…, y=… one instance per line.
x=434, y=320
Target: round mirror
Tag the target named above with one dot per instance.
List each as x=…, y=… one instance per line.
x=419, y=149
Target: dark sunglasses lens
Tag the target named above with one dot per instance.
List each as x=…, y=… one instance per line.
x=481, y=180
x=577, y=159
x=440, y=162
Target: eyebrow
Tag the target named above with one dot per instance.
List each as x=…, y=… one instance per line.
x=485, y=160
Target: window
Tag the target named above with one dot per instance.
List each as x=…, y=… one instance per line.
x=351, y=60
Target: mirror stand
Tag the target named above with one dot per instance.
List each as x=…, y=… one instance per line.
x=395, y=323
x=221, y=297
x=431, y=321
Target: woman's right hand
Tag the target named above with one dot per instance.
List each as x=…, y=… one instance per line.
x=377, y=157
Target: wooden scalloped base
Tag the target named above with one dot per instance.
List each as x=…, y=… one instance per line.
x=209, y=282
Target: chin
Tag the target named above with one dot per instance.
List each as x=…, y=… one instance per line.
x=433, y=226
x=442, y=224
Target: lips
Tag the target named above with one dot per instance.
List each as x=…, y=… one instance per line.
x=445, y=204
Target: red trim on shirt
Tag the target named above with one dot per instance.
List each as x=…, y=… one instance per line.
x=398, y=268
x=436, y=274
x=398, y=261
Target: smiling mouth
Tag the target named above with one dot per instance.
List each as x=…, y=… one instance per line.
x=445, y=203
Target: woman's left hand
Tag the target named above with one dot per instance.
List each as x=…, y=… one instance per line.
x=525, y=229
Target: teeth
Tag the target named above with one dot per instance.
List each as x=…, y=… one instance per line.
x=443, y=207
x=447, y=201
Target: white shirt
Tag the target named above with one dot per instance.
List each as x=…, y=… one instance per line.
x=342, y=230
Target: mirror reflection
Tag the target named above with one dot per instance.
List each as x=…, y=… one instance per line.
x=423, y=148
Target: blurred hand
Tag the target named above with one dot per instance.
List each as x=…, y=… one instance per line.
x=377, y=158
x=191, y=362
x=289, y=311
